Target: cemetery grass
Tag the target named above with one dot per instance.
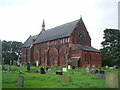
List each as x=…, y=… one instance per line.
x=37, y=80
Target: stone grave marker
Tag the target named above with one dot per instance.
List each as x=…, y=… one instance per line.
x=111, y=68
x=37, y=63
x=87, y=69
x=28, y=66
x=102, y=72
x=94, y=71
x=106, y=67
x=73, y=67
x=42, y=70
x=49, y=71
x=20, y=81
x=101, y=76
x=64, y=69
x=69, y=67
x=112, y=80
x=93, y=66
x=59, y=73
x=8, y=68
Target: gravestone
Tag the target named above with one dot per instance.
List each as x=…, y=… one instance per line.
x=102, y=72
x=37, y=62
x=49, y=71
x=93, y=66
x=69, y=67
x=59, y=73
x=100, y=76
x=21, y=72
x=111, y=68
x=42, y=70
x=73, y=67
x=8, y=68
x=112, y=80
x=64, y=69
x=28, y=66
x=20, y=81
x=106, y=67
x=94, y=71
x=87, y=69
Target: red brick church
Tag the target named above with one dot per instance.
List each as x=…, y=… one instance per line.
x=67, y=44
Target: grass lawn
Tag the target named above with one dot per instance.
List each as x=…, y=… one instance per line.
x=37, y=80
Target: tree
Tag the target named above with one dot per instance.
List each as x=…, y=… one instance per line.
x=11, y=50
x=111, y=47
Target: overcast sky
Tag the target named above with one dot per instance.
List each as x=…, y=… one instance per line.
x=21, y=18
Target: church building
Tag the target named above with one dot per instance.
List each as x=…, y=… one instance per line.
x=67, y=44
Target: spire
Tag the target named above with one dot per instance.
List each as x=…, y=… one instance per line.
x=43, y=26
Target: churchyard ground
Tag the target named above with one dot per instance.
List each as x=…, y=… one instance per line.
x=76, y=78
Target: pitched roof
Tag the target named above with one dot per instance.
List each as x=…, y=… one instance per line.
x=30, y=41
x=61, y=31
x=87, y=48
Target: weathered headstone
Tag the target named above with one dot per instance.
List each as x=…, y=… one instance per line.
x=49, y=71
x=101, y=76
x=28, y=66
x=87, y=69
x=42, y=70
x=69, y=67
x=112, y=80
x=64, y=69
x=20, y=81
x=94, y=71
x=8, y=68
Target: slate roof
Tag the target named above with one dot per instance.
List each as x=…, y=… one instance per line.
x=30, y=41
x=61, y=31
x=87, y=48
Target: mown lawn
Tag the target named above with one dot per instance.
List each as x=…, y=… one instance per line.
x=37, y=80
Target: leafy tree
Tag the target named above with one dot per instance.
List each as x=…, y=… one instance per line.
x=11, y=50
x=111, y=47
